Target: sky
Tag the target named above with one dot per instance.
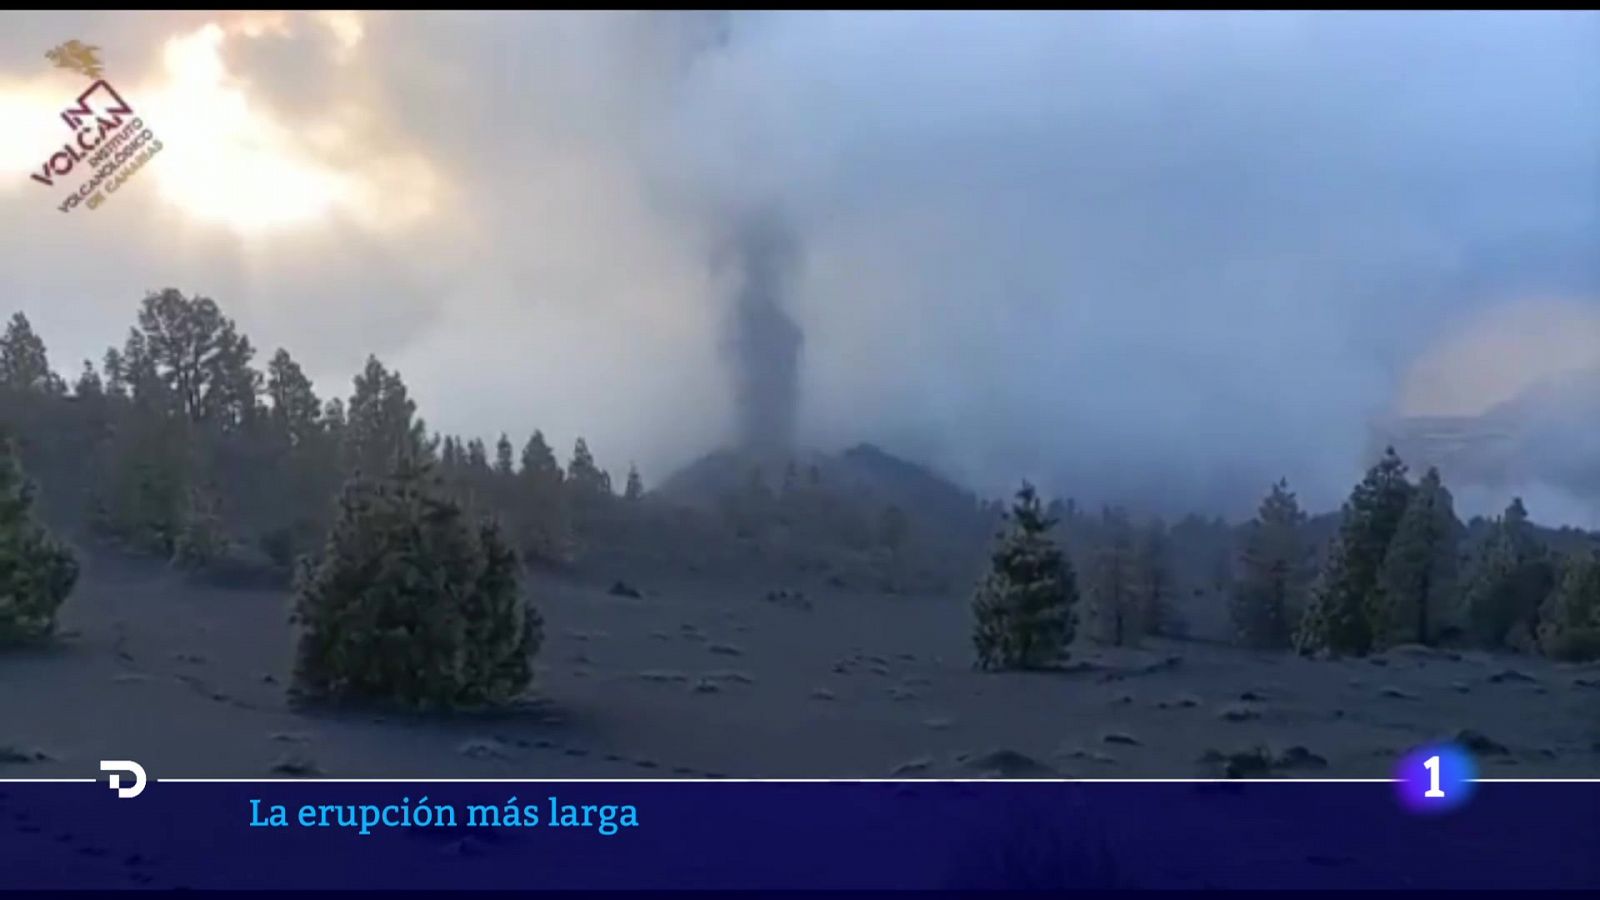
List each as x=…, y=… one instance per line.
x=1154, y=258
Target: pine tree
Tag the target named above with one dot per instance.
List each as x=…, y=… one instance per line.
x=1153, y=583
x=305, y=458
x=540, y=518
x=199, y=356
x=24, y=362
x=1275, y=570
x=539, y=461
x=296, y=411
x=235, y=401
x=1569, y=621
x=1509, y=580
x=89, y=386
x=380, y=423
x=116, y=373
x=36, y=572
x=634, y=491
x=1418, y=578
x=139, y=479
x=1023, y=610
x=477, y=457
x=503, y=464
x=585, y=479
x=581, y=467
x=145, y=386
x=1113, y=596
x=411, y=604
x=1339, y=619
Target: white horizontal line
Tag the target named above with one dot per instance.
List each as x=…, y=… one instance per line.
x=1538, y=780
x=906, y=781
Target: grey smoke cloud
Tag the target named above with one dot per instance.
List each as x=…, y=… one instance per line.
x=764, y=343
x=1160, y=258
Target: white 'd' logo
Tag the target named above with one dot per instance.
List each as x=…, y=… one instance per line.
x=124, y=765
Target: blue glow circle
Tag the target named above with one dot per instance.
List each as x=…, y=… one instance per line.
x=1436, y=778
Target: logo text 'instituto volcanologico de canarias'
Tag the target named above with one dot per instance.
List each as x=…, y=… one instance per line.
x=108, y=140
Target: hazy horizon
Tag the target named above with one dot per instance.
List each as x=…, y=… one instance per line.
x=1160, y=259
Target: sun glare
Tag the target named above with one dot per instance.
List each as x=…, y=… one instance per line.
x=28, y=119
x=227, y=158
x=224, y=161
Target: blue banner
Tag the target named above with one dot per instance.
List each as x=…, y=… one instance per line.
x=729, y=835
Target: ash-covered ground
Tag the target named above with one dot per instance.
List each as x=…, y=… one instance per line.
x=706, y=677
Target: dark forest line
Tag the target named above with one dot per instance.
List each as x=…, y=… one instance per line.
x=178, y=446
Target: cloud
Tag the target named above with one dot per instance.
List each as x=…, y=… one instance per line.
x=1162, y=258
x=1501, y=353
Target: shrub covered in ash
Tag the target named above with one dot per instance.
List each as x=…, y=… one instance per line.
x=201, y=540
x=1511, y=576
x=284, y=545
x=1024, y=607
x=36, y=571
x=412, y=604
x=1569, y=627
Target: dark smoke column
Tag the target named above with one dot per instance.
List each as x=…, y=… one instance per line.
x=765, y=342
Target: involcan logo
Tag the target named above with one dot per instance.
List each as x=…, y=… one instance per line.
x=109, y=141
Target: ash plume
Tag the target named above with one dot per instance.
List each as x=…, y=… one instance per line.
x=764, y=343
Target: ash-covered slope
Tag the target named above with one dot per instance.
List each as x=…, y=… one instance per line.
x=865, y=473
